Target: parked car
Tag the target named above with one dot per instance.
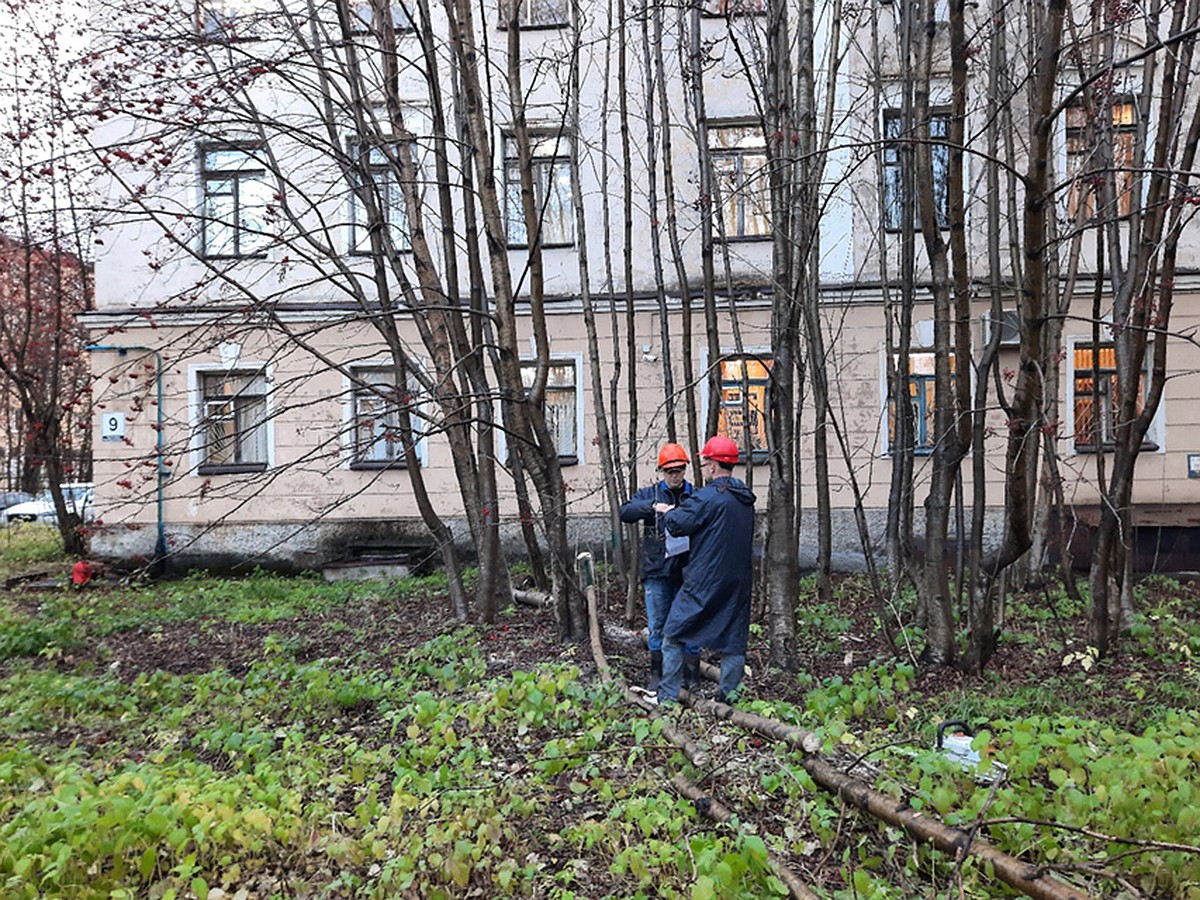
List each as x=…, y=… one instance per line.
x=12, y=498
x=78, y=497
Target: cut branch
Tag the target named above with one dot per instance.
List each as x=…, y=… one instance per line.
x=710, y=806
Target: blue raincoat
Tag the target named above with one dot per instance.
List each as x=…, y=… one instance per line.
x=712, y=608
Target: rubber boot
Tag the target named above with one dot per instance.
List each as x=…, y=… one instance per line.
x=655, y=670
x=691, y=671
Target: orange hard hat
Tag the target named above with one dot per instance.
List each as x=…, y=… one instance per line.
x=671, y=453
x=720, y=448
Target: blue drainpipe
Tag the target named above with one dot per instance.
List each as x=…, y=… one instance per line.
x=160, y=545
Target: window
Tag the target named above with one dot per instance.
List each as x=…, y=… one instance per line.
x=739, y=159
x=227, y=20
x=941, y=9
x=362, y=18
x=743, y=412
x=377, y=188
x=897, y=182
x=235, y=203
x=551, y=191
x=1096, y=397
x=723, y=8
x=377, y=439
x=562, y=405
x=234, y=421
x=1083, y=171
x=922, y=384
x=537, y=13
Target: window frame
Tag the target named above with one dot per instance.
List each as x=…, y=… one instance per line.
x=892, y=212
x=758, y=353
x=558, y=24
x=575, y=360
x=512, y=189
x=922, y=393
x=359, y=242
x=217, y=22
x=739, y=8
x=401, y=19
x=1155, y=435
x=738, y=155
x=199, y=405
x=239, y=177
x=351, y=391
x=1124, y=140
x=757, y=385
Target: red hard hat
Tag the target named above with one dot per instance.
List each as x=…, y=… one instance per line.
x=671, y=453
x=720, y=448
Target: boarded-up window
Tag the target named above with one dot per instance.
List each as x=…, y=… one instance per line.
x=1084, y=168
x=1096, y=396
x=922, y=388
x=743, y=413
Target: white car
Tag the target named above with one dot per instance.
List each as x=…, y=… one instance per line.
x=78, y=497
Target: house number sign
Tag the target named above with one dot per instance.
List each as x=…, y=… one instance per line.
x=112, y=426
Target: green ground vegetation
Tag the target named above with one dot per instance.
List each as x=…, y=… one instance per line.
x=335, y=755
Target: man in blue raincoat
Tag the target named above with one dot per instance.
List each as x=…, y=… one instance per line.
x=712, y=608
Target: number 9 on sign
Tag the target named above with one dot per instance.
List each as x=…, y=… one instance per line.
x=112, y=426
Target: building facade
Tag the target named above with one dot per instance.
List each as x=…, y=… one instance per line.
x=259, y=176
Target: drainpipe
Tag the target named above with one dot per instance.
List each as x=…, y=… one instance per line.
x=160, y=544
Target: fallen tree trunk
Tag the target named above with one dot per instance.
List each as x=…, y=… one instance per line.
x=802, y=740
x=1025, y=877
x=536, y=599
x=713, y=673
x=690, y=749
x=710, y=806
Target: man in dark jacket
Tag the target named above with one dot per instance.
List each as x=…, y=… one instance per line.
x=661, y=573
x=712, y=608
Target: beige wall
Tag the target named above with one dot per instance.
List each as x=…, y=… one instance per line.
x=309, y=482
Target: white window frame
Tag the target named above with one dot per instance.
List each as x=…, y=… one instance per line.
x=524, y=17
x=739, y=154
x=362, y=18
x=197, y=448
x=394, y=210
x=418, y=122
x=349, y=420
x=255, y=170
x=580, y=437
x=1157, y=432
x=546, y=163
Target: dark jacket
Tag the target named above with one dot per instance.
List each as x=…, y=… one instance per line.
x=712, y=608
x=640, y=508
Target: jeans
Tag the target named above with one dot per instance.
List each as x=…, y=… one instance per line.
x=672, y=675
x=659, y=594
x=733, y=667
